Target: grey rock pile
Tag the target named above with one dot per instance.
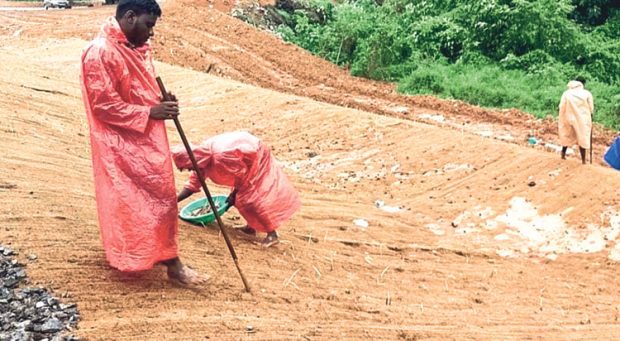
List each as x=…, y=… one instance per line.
x=30, y=314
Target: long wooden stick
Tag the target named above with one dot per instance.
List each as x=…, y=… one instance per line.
x=204, y=187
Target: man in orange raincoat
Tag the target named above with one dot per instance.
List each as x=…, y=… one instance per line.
x=262, y=193
x=134, y=179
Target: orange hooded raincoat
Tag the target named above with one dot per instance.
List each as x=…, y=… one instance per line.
x=134, y=180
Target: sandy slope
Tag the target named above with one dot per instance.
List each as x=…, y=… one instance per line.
x=410, y=275
x=198, y=35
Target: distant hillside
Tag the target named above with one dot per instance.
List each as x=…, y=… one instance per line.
x=494, y=53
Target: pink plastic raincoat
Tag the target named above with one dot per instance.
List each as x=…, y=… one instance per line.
x=265, y=196
x=134, y=180
x=575, y=119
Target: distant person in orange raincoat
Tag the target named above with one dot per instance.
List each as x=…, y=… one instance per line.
x=133, y=173
x=262, y=193
x=575, y=119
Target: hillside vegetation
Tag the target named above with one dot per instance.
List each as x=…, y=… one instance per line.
x=494, y=53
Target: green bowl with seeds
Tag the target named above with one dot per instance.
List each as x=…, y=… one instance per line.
x=199, y=212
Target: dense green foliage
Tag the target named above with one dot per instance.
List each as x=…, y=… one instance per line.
x=494, y=53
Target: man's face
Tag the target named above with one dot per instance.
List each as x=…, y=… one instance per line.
x=139, y=27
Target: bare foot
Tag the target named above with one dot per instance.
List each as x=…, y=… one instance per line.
x=187, y=276
x=270, y=240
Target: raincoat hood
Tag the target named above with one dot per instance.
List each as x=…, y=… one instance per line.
x=181, y=158
x=112, y=31
x=234, y=142
x=574, y=85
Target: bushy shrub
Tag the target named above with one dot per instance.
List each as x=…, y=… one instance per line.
x=497, y=53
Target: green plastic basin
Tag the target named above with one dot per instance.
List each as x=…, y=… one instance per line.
x=205, y=218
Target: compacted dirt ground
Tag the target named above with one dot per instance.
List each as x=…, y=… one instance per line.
x=421, y=219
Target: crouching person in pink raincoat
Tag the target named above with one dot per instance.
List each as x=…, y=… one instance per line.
x=261, y=192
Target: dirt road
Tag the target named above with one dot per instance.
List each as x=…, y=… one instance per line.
x=468, y=237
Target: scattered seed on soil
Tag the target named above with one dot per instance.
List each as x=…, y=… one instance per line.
x=202, y=210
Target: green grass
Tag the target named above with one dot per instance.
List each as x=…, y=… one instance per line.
x=494, y=87
x=493, y=53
